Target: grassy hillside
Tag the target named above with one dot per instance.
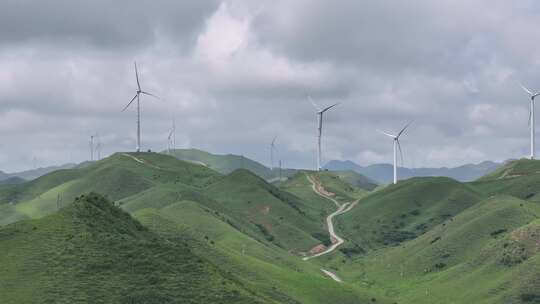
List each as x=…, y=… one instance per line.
x=118, y=176
x=263, y=267
x=520, y=178
x=93, y=252
x=228, y=163
x=490, y=249
x=402, y=212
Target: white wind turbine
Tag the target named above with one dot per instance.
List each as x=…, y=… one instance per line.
x=137, y=96
x=320, y=113
x=171, y=139
x=272, y=148
x=396, y=147
x=531, y=116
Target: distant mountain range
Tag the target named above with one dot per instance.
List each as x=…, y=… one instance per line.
x=13, y=178
x=382, y=173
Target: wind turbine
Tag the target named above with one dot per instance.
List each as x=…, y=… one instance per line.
x=98, y=147
x=531, y=116
x=272, y=148
x=320, y=113
x=396, y=147
x=137, y=96
x=92, y=147
x=171, y=141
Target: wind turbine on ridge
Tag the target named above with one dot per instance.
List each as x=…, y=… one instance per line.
x=397, y=146
x=531, y=117
x=137, y=96
x=320, y=113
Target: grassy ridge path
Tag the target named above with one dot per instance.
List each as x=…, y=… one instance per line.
x=336, y=239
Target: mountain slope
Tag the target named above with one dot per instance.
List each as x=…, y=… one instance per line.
x=490, y=249
x=382, y=173
x=93, y=252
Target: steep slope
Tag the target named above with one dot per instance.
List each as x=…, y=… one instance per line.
x=382, y=173
x=228, y=163
x=93, y=252
x=272, y=213
x=405, y=211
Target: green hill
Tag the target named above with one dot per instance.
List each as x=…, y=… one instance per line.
x=520, y=178
x=490, y=249
x=92, y=252
x=228, y=163
x=402, y=212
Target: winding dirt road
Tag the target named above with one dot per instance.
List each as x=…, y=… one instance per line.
x=336, y=239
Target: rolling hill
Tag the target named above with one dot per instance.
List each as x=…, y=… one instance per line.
x=93, y=252
x=382, y=173
x=226, y=164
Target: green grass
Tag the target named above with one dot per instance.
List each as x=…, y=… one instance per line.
x=92, y=252
x=401, y=212
x=477, y=252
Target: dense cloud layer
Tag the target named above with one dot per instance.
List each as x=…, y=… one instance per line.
x=235, y=73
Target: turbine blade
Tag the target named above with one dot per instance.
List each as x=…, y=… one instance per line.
x=387, y=134
x=132, y=99
x=404, y=128
x=328, y=108
x=314, y=104
x=137, y=76
x=149, y=94
x=530, y=116
x=525, y=89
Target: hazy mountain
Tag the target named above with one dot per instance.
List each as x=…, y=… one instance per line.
x=382, y=173
x=35, y=173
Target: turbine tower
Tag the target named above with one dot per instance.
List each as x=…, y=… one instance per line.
x=137, y=96
x=320, y=113
x=396, y=147
x=531, y=116
x=92, y=147
x=272, y=148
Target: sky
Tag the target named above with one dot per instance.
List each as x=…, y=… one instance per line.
x=234, y=74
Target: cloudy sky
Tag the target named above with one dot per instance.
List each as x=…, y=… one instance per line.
x=234, y=74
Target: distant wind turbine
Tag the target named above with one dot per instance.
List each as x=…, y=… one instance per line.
x=320, y=113
x=137, y=96
x=92, y=147
x=98, y=147
x=272, y=148
x=396, y=147
x=531, y=116
x=171, y=141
